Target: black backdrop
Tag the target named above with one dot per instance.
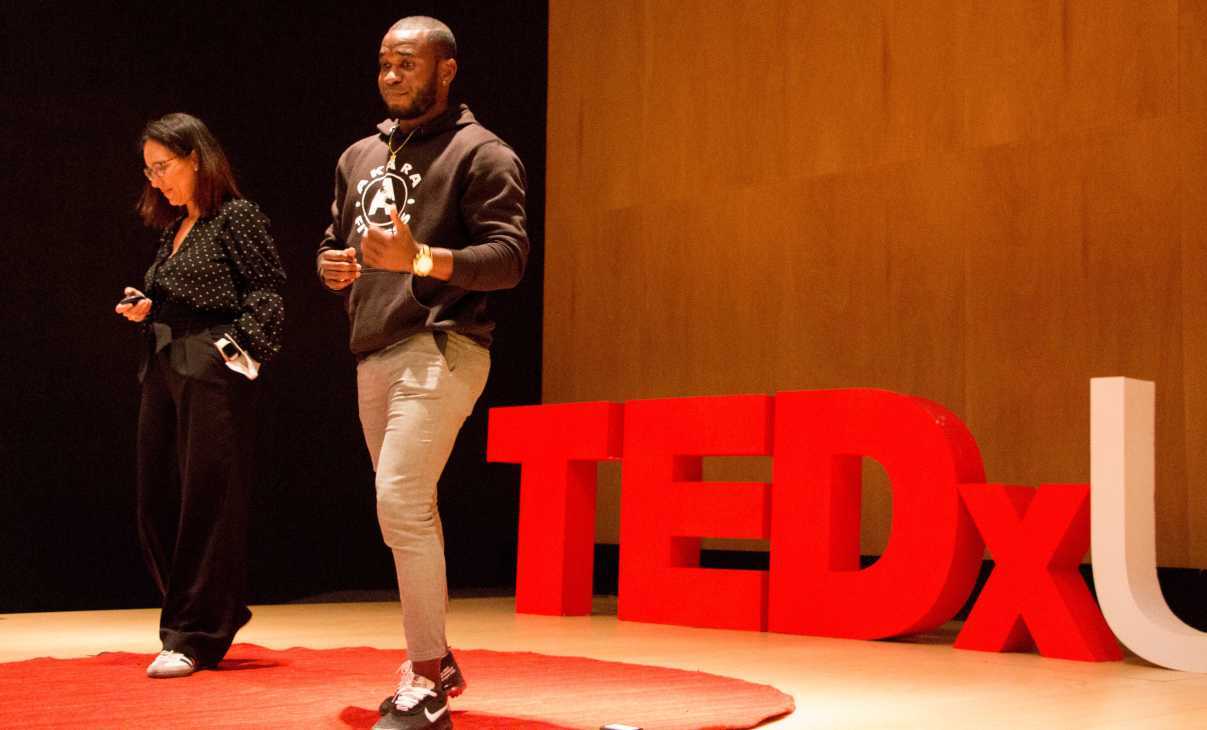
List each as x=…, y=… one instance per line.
x=285, y=88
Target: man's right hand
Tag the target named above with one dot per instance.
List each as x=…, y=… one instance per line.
x=338, y=269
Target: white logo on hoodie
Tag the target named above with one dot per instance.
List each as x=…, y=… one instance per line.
x=382, y=192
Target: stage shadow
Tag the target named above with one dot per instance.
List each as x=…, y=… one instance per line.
x=945, y=634
x=469, y=720
x=359, y=717
x=239, y=665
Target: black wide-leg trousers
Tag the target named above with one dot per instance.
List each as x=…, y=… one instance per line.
x=196, y=440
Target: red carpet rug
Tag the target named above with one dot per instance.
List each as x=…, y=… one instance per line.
x=341, y=688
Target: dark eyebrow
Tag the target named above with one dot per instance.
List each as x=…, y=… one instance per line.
x=390, y=51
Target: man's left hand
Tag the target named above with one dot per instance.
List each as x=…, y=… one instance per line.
x=393, y=252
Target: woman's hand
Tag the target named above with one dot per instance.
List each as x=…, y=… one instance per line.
x=136, y=311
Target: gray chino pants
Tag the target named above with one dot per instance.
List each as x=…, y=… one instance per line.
x=413, y=400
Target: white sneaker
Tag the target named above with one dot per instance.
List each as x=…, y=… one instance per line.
x=171, y=664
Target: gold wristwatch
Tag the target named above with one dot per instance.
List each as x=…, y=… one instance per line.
x=422, y=264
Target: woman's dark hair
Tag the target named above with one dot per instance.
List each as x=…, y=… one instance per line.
x=184, y=134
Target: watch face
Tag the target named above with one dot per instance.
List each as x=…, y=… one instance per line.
x=423, y=266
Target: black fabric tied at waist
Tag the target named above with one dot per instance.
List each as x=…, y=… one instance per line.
x=171, y=324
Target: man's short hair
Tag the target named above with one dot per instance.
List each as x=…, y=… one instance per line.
x=435, y=32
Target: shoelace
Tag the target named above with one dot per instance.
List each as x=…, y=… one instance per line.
x=182, y=657
x=409, y=694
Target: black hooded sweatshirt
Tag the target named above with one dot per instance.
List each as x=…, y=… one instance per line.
x=457, y=186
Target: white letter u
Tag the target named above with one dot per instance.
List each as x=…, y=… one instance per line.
x=1123, y=527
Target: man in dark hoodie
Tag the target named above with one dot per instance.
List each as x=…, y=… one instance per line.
x=428, y=217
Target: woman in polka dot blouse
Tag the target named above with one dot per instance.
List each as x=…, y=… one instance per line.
x=211, y=311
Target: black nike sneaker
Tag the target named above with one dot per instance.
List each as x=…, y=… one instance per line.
x=451, y=679
x=417, y=705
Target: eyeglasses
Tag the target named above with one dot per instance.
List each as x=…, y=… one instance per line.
x=158, y=169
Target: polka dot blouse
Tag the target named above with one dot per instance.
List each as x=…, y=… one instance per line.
x=227, y=264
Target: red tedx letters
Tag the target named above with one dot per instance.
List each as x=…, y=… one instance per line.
x=931, y=562
x=1035, y=593
x=558, y=446
x=665, y=509
x=810, y=516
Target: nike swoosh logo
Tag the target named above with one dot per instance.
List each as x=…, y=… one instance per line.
x=432, y=717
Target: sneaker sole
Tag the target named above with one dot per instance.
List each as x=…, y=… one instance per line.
x=170, y=673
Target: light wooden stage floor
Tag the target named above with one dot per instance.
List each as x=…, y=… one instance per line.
x=919, y=683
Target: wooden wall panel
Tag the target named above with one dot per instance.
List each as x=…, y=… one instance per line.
x=1192, y=43
x=983, y=203
x=1194, y=331
x=1047, y=67
x=1192, y=63
x=1029, y=297
x=1132, y=203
